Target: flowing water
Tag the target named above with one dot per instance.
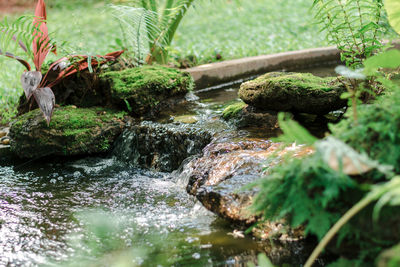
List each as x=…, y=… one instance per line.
x=71, y=211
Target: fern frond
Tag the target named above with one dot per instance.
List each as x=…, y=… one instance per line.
x=18, y=33
x=354, y=26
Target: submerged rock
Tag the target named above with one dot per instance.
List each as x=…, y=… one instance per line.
x=296, y=92
x=162, y=147
x=72, y=131
x=146, y=89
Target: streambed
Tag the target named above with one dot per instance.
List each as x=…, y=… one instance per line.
x=46, y=205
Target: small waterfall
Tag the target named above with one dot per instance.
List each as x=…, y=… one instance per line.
x=161, y=147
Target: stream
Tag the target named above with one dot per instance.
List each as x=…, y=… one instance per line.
x=62, y=212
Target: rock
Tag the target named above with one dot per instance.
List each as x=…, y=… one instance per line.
x=243, y=116
x=141, y=91
x=2, y=134
x=219, y=178
x=147, y=89
x=71, y=132
x=295, y=92
x=190, y=119
x=161, y=147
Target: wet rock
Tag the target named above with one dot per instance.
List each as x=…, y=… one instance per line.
x=161, y=147
x=190, y=119
x=147, y=89
x=71, y=132
x=243, y=116
x=219, y=178
x=295, y=92
x=221, y=161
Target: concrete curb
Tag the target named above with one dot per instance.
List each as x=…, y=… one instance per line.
x=222, y=72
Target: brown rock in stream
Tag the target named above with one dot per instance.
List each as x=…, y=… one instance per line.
x=219, y=178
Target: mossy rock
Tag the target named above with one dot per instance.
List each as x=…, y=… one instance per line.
x=232, y=110
x=72, y=131
x=295, y=92
x=244, y=116
x=146, y=89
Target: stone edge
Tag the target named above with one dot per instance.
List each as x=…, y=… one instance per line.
x=222, y=72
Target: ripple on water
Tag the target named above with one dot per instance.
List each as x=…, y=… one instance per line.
x=38, y=206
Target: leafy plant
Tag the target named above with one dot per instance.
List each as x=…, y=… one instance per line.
x=393, y=10
x=153, y=22
x=354, y=26
x=33, y=82
x=387, y=193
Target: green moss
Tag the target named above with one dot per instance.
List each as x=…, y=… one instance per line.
x=231, y=110
x=305, y=81
x=155, y=79
x=145, y=87
x=72, y=122
x=71, y=131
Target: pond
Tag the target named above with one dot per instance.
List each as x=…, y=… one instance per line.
x=68, y=211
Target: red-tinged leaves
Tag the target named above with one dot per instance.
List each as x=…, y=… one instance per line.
x=46, y=101
x=30, y=81
x=80, y=65
x=114, y=55
x=20, y=60
x=41, y=43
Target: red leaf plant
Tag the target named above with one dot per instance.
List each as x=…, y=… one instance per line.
x=32, y=81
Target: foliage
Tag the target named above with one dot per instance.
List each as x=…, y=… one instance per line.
x=390, y=258
x=154, y=22
x=386, y=193
x=302, y=191
x=393, y=10
x=33, y=83
x=377, y=131
x=355, y=27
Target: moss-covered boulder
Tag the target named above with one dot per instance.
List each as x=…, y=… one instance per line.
x=244, y=116
x=147, y=89
x=72, y=131
x=296, y=92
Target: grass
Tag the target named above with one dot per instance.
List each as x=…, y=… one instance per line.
x=211, y=31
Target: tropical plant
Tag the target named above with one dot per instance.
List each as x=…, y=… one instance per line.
x=34, y=40
x=150, y=26
x=355, y=26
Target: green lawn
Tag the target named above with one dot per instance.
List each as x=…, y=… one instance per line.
x=232, y=29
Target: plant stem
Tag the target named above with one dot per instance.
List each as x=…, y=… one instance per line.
x=339, y=224
x=346, y=18
x=361, y=25
x=374, y=195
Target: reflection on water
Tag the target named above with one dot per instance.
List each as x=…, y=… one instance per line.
x=43, y=206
